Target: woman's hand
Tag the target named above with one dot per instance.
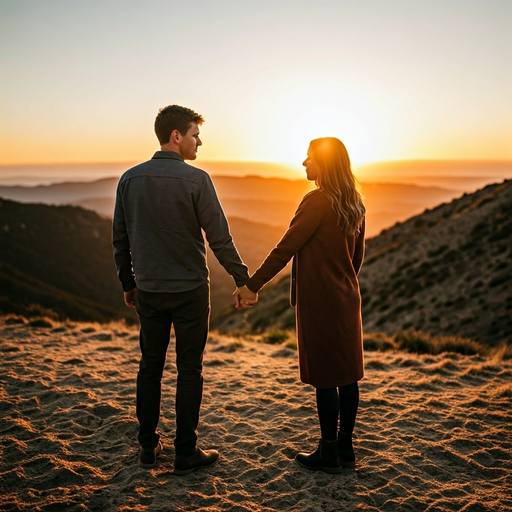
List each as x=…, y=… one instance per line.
x=244, y=298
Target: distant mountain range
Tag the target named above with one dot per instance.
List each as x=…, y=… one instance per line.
x=270, y=201
x=61, y=193
x=446, y=271
x=461, y=175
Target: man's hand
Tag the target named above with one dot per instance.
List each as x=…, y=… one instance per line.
x=244, y=298
x=129, y=298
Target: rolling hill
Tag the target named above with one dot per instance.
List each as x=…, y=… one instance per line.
x=446, y=271
x=57, y=261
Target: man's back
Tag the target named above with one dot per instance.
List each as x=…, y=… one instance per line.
x=161, y=207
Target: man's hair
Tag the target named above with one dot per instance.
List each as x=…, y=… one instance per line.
x=174, y=117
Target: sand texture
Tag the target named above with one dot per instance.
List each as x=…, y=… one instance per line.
x=433, y=432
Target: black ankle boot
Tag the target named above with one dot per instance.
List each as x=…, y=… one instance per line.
x=324, y=458
x=346, y=450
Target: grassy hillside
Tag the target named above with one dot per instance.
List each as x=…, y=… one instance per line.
x=446, y=271
x=57, y=259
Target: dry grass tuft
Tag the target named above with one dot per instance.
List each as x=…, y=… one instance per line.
x=501, y=353
x=12, y=319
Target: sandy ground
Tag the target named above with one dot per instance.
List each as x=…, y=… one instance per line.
x=433, y=432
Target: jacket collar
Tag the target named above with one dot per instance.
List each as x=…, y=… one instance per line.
x=167, y=154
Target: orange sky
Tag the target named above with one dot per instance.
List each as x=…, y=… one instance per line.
x=393, y=80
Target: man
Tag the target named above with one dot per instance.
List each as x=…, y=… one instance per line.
x=162, y=206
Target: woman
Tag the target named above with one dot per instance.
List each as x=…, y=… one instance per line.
x=326, y=241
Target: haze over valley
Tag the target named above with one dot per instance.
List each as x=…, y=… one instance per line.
x=393, y=191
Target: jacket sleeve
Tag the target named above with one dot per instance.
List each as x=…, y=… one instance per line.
x=121, y=243
x=357, y=259
x=305, y=222
x=215, y=225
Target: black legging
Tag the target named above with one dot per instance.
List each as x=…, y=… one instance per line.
x=339, y=402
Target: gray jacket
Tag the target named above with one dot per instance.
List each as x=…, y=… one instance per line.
x=161, y=207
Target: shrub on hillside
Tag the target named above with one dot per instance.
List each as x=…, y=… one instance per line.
x=275, y=337
x=420, y=222
x=234, y=346
x=230, y=347
x=378, y=341
x=13, y=319
x=40, y=322
x=459, y=345
x=414, y=341
x=422, y=343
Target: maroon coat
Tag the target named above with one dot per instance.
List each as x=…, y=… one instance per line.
x=326, y=264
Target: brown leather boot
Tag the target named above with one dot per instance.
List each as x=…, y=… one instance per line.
x=148, y=456
x=325, y=458
x=199, y=459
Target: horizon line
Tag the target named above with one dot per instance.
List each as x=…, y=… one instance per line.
x=130, y=162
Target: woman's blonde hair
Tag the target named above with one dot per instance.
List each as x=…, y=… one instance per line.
x=336, y=180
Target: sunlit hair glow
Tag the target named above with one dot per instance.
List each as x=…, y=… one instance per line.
x=174, y=117
x=336, y=180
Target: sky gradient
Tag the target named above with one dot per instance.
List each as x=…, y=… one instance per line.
x=83, y=81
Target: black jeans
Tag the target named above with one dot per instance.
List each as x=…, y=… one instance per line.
x=189, y=312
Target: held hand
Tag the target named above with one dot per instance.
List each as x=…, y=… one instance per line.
x=129, y=298
x=244, y=298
